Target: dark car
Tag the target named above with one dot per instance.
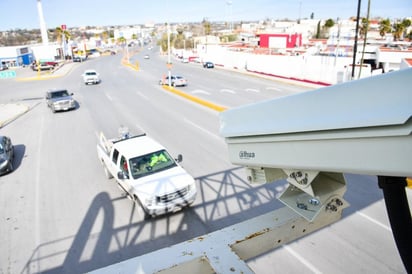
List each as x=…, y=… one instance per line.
x=6, y=155
x=59, y=100
x=208, y=65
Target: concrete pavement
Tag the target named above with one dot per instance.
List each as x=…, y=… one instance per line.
x=11, y=111
x=27, y=74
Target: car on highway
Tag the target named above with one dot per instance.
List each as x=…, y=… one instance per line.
x=146, y=56
x=6, y=155
x=60, y=100
x=208, y=65
x=175, y=81
x=91, y=76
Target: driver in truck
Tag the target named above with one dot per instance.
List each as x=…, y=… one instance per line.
x=157, y=158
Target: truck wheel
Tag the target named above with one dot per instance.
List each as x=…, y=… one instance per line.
x=140, y=209
x=107, y=172
x=10, y=167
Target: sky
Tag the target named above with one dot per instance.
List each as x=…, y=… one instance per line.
x=23, y=14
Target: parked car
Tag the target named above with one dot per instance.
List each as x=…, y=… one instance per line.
x=42, y=66
x=208, y=65
x=51, y=63
x=91, y=76
x=176, y=81
x=58, y=100
x=6, y=155
x=3, y=67
x=79, y=58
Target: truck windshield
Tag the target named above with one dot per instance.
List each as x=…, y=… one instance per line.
x=58, y=94
x=150, y=163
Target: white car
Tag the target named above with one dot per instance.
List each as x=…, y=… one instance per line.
x=175, y=80
x=91, y=76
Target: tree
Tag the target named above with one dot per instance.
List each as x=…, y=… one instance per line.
x=398, y=30
x=318, y=31
x=384, y=27
x=329, y=23
x=312, y=16
x=59, y=32
x=207, y=28
x=364, y=27
x=105, y=36
x=406, y=23
x=324, y=32
x=121, y=40
x=179, y=40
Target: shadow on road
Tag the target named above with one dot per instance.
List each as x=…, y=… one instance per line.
x=234, y=200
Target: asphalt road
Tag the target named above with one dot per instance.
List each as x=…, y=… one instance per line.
x=59, y=214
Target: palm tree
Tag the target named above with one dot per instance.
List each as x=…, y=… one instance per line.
x=121, y=40
x=59, y=33
x=406, y=23
x=399, y=28
x=105, y=36
x=364, y=27
x=206, y=26
x=384, y=27
x=329, y=23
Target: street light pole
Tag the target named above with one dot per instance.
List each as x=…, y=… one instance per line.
x=355, y=46
x=169, y=64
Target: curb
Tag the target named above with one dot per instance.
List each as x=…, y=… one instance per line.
x=195, y=99
x=47, y=76
x=15, y=115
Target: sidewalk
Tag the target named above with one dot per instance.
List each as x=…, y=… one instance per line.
x=27, y=74
x=10, y=112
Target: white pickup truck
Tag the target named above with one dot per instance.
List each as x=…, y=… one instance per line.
x=147, y=173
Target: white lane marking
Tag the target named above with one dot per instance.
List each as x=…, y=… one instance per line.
x=374, y=221
x=109, y=97
x=227, y=90
x=37, y=195
x=142, y=95
x=200, y=91
x=302, y=260
x=273, y=88
x=204, y=130
x=252, y=90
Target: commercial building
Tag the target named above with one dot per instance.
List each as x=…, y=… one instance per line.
x=16, y=56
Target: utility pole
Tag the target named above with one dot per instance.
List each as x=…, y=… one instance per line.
x=355, y=46
x=169, y=64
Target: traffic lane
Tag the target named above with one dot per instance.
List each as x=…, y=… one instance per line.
x=135, y=229
x=219, y=86
x=169, y=133
x=231, y=88
x=372, y=197
x=214, y=206
x=56, y=184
